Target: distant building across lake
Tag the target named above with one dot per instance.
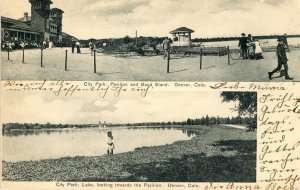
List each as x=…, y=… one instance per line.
x=43, y=24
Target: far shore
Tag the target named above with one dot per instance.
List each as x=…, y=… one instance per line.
x=216, y=153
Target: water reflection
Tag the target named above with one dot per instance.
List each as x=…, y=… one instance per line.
x=191, y=132
x=39, y=144
x=36, y=132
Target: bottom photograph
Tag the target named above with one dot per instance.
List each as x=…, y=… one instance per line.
x=179, y=136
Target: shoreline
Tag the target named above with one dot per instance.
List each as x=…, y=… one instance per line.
x=214, y=148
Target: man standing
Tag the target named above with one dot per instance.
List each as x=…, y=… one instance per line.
x=282, y=60
x=73, y=47
x=285, y=42
x=166, y=47
x=78, y=46
x=243, y=45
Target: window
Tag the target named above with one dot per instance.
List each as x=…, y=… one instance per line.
x=37, y=5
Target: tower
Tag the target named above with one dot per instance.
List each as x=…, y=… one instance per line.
x=40, y=11
x=56, y=16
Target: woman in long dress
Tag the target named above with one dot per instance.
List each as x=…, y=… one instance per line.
x=257, y=50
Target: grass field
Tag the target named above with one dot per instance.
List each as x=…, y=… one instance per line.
x=215, y=154
x=153, y=68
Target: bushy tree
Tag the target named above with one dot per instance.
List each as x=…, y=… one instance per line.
x=247, y=104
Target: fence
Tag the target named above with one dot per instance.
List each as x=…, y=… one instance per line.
x=203, y=51
x=214, y=51
x=9, y=50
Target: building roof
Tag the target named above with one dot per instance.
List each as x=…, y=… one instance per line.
x=182, y=30
x=56, y=10
x=69, y=36
x=18, y=24
x=22, y=19
x=41, y=0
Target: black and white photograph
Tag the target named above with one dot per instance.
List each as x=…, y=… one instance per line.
x=190, y=137
x=151, y=40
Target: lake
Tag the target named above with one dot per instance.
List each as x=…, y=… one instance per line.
x=263, y=42
x=19, y=145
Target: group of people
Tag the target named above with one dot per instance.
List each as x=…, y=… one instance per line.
x=250, y=47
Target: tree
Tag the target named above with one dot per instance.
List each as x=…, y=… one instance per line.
x=247, y=104
x=206, y=121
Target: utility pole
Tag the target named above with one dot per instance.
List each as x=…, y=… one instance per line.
x=136, y=41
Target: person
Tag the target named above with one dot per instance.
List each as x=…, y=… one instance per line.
x=91, y=47
x=166, y=47
x=250, y=47
x=110, y=143
x=78, y=47
x=44, y=44
x=285, y=42
x=73, y=47
x=243, y=45
x=257, y=50
x=50, y=44
x=282, y=60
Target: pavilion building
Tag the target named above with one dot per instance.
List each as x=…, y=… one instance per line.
x=182, y=36
x=43, y=24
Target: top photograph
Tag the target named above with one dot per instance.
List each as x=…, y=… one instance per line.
x=151, y=40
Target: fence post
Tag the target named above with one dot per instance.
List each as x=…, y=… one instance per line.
x=66, y=60
x=23, y=57
x=42, y=57
x=201, y=59
x=228, y=55
x=7, y=53
x=168, y=62
x=95, y=70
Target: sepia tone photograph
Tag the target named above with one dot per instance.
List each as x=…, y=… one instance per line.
x=151, y=40
x=190, y=137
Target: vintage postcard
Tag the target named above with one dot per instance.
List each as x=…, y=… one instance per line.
x=149, y=94
x=150, y=40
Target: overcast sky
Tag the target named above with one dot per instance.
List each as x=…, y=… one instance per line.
x=86, y=108
x=209, y=18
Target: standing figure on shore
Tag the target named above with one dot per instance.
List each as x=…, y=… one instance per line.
x=110, y=143
x=166, y=47
x=73, y=47
x=285, y=42
x=282, y=60
x=78, y=47
x=243, y=46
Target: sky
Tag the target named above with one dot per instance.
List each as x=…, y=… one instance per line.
x=208, y=18
x=158, y=106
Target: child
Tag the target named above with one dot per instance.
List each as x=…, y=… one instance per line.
x=110, y=143
x=257, y=50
